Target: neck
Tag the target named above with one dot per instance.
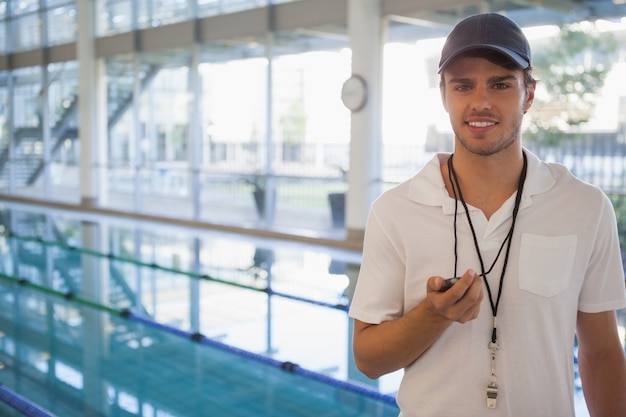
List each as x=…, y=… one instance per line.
x=486, y=181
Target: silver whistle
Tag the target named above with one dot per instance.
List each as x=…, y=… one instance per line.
x=492, y=394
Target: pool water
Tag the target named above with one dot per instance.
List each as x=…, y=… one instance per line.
x=111, y=319
x=111, y=366
x=107, y=317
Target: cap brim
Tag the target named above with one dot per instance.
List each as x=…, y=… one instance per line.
x=520, y=61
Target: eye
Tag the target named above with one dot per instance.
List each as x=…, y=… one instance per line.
x=500, y=86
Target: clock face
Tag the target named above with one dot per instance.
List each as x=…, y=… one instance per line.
x=354, y=93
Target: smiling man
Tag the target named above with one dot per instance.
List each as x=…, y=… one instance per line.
x=479, y=272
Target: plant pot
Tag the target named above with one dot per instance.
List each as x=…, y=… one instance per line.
x=337, y=203
x=259, y=201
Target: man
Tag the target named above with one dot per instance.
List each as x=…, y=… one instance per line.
x=535, y=249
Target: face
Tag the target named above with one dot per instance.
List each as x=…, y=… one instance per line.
x=485, y=103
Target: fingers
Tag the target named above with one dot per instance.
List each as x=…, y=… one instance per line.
x=461, y=302
x=435, y=284
x=464, y=282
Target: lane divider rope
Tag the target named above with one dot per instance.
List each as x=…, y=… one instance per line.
x=21, y=404
x=200, y=338
x=154, y=265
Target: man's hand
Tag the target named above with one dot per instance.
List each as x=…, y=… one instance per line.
x=460, y=303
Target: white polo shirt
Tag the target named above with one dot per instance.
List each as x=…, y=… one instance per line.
x=564, y=257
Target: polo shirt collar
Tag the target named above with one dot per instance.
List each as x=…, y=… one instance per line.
x=427, y=186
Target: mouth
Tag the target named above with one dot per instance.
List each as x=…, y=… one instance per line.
x=480, y=124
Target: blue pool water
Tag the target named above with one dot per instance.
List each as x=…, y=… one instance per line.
x=112, y=366
x=111, y=319
x=106, y=317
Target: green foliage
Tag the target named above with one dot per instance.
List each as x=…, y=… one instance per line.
x=571, y=70
x=293, y=123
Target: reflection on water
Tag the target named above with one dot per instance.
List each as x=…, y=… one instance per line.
x=91, y=362
x=283, y=300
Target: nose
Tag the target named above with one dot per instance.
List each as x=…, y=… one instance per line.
x=480, y=99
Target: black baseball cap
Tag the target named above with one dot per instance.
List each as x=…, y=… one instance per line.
x=487, y=31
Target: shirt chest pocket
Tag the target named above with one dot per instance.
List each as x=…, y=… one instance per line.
x=545, y=263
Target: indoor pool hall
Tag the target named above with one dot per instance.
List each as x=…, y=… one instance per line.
x=191, y=189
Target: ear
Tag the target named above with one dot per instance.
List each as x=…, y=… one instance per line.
x=442, y=91
x=530, y=97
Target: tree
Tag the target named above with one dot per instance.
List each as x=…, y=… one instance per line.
x=571, y=70
x=293, y=127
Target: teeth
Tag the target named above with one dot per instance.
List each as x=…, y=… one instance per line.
x=481, y=124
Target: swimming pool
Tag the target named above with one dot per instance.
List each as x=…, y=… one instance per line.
x=110, y=317
x=112, y=365
x=121, y=319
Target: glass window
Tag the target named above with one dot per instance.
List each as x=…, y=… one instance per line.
x=162, y=12
x=310, y=126
x=61, y=25
x=409, y=140
x=149, y=134
x=27, y=97
x=62, y=101
x=233, y=124
x=122, y=144
x=114, y=16
x=118, y=16
x=3, y=37
x=28, y=102
x=215, y=7
x=26, y=32
x=50, y=4
x=296, y=169
x=4, y=130
x=245, y=174
x=230, y=6
x=24, y=6
x=209, y=8
x=164, y=120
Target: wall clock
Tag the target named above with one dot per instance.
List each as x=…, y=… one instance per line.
x=354, y=93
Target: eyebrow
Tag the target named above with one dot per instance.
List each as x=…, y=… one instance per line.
x=492, y=80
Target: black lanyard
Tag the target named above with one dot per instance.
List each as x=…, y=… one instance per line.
x=456, y=191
